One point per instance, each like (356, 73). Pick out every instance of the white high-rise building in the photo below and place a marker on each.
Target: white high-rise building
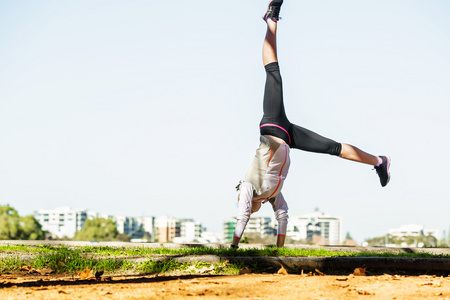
(190, 231)
(262, 225)
(63, 221)
(316, 227)
(148, 225)
(128, 225)
(136, 228)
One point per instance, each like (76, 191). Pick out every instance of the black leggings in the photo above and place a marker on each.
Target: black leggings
(276, 123)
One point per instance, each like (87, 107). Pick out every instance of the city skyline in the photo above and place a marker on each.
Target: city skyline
(140, 108)
(65, 222)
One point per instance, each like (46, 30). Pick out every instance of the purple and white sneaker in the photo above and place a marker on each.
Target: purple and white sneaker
(383, 170)
(273, 11)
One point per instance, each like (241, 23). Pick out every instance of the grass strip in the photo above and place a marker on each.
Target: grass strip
(147, 251)
(60, 265)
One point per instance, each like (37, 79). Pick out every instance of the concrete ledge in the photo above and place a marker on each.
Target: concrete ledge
(350, 263)
(441, 265)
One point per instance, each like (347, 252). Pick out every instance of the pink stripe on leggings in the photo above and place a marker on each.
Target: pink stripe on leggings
(275, 125)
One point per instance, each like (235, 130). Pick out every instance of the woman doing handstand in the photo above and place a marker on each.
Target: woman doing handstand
(264, 179)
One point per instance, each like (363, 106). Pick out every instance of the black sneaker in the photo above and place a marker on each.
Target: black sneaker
(273, 11)
(383, 170)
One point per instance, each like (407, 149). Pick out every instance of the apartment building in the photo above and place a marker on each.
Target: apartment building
(167, 228)
(264, 226)
(136, 227)
(228, 229)
(316, 228)
(63, 221)
(190, 231)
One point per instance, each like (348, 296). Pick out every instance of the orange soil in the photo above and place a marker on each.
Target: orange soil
(250, 286)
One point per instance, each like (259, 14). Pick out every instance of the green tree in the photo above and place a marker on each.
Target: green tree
(97, 229)
(14, 227)
(30, 229)
(9, 223)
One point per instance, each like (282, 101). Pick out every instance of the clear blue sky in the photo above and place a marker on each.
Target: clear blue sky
(152, 107)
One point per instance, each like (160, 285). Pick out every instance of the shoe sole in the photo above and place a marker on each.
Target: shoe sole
(387, 168)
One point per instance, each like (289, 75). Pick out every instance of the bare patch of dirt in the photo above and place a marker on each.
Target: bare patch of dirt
(250, 286)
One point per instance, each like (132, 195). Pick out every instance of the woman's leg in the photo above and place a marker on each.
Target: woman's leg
(353, 153)
(274, 122)
(270, 43)
(307, 140)
(381, 163)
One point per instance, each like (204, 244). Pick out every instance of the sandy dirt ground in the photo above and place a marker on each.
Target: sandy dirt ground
(247, 286)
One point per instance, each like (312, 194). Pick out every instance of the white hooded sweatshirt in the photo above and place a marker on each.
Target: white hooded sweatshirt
(263, 183)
